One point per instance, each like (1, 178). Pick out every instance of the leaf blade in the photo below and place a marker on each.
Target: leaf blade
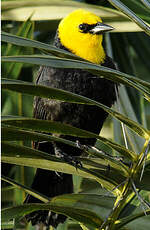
(59, 94)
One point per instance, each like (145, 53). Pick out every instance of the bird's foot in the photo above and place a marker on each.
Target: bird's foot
(82, 147)
(68, 159)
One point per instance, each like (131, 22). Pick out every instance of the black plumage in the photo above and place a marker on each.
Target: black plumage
(90, 118)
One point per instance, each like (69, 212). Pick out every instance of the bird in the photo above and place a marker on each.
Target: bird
(81, 33)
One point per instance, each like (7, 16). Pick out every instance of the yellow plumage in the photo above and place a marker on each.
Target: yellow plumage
(87, 46)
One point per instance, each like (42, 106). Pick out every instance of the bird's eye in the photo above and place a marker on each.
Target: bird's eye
(98, 23)
(83, 27)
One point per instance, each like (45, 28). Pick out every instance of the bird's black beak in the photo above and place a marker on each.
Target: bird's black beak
(100, 28)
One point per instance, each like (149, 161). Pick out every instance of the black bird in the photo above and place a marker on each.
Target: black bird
(80, 33)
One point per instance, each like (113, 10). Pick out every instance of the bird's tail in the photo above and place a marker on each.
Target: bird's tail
(50, 184)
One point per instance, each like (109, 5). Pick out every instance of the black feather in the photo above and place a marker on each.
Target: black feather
(90, 118)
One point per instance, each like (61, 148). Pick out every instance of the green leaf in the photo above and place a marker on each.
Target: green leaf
(119, 77)
(25, 188)
(100, 71)
(13, 69)
(92, 168)
(81, 207)
(63, 95)
(138, 8)
(59, 128)
(144, 83)
(146, 3)
(130, 218)
(20, 41)
(13, 134)
(126, 108)
(43, 91)
(26, 156)
(7, 225)
(124, 9)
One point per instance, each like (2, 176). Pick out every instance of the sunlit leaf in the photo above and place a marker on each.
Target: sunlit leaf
(91, 168)
(57, 127)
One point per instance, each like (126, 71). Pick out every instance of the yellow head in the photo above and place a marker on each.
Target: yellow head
(81, 33)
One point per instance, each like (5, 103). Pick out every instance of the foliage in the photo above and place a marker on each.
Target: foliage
(119, 163)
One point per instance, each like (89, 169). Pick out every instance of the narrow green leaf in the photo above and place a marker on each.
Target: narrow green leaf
(62, 53)
(13, 69)
(26, 156)
(57, 127)
(77, 214)
(18, 151)
(122, 222)
(22, 155)
(43, 91)
(144, 83)
(25, 188)
(26, 42)
(100, 71)
(63, 95)
(7, 225)
(126, 108)
(146, 3)
(84, 208)
(13, 134)
(124, 9)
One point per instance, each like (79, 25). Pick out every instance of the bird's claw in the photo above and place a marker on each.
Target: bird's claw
(69, 159)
